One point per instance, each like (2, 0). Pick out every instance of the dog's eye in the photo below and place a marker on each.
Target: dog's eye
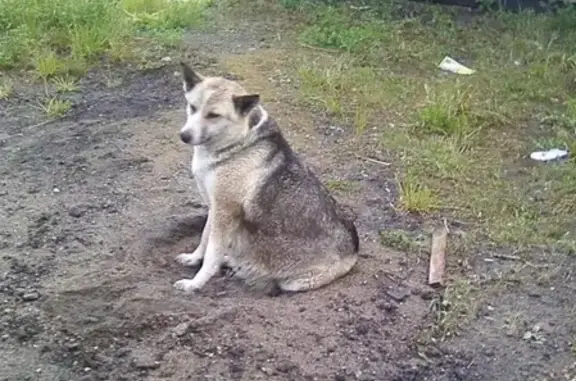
(192, 109)
(212, 115)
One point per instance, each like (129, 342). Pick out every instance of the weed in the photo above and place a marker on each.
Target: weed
(416, 197)
(47, 65)
(341, 186)
(6, 89)
(65, 84)
(397, 239)
(55, 108)
(455, 307)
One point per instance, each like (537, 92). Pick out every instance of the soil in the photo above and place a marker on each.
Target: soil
(95, 206)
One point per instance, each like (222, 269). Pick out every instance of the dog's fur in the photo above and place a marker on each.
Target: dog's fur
(270, 219)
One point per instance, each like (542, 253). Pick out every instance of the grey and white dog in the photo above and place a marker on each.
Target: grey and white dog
(269, 217)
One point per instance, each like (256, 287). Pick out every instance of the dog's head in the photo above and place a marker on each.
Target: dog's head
(217, 109)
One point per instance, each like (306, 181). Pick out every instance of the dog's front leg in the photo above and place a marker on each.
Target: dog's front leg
(213, 259)
(193, 259)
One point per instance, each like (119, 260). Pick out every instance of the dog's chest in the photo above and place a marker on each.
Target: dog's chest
(202, 171)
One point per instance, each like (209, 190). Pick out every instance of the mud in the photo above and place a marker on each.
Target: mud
(94, 208)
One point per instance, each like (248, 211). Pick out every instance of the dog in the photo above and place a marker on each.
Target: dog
(270, 219)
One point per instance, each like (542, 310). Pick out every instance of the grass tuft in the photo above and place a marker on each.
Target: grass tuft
(417, 197)
(342, 186)
(456, 306)
(398, 240)
(6, 89)
(55, 108)
(65, 84)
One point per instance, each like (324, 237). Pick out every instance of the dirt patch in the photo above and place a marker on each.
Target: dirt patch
(95, 207)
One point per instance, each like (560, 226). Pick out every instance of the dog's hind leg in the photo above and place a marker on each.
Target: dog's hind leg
(318, 275)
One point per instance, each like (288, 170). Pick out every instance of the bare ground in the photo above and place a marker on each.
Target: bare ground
(94, 208)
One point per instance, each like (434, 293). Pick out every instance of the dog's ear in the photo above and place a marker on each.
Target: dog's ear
(191, 78)
(245, 103)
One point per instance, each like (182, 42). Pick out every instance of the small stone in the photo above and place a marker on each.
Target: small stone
(181, 329)
(77, 212)
(427, 295)
(145, 362)
(123, 352)
(399, 295)
(30, 296)
(86, 378)
(388, 307)
(56, 190)
(285, 366)
(166, 59)
(267, 371)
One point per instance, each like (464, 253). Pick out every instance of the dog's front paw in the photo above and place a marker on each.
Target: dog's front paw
(190, 259)
(187, 285)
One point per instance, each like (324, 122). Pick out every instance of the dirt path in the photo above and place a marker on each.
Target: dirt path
(94, 208)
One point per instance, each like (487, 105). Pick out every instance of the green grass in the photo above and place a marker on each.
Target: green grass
(56, 37)
(6, 89)
(343, 186)
(55, 108)
(462, 141)
(398, 240)
(65, 84)
(456, 306)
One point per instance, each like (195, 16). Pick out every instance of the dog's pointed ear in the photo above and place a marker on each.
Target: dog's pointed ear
(191, 78)
(245, 103)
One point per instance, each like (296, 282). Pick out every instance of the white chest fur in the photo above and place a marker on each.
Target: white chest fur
(203, 174)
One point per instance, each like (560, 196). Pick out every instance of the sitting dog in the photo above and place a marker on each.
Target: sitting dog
(269, 217)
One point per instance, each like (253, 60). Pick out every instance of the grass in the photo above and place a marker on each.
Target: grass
(342, 186)
(67, 36)
(6, 89)
(55, 108)
(456, 306)
(416, 197)
(65, 84)
(462, 141)
(398, 240)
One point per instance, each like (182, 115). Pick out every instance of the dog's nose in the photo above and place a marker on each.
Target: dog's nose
(186, 137)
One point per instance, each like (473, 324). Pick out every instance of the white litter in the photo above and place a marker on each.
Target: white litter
(453, 66)
(553, 154)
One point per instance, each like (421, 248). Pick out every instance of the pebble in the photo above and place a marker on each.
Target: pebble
(285, 366)
(145, 361)
(76, 212)
(181, 329)
(30, 296)
(399, 294)
(123, 352)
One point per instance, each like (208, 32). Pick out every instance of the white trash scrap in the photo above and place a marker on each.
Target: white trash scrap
(553, 154)
(453, 66)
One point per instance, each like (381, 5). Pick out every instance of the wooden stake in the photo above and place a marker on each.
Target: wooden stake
(437, 256)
